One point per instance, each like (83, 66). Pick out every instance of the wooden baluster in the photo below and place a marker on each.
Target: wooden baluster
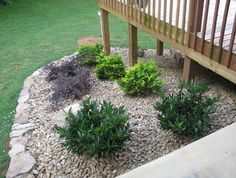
(154, 15)
(177, 20)
(204, 25)
(183, 21)
(190, 20)
(149, 13)
(196, 21)
(231, 44)
(140, 13)
(159, 15)
(170, 18)
(128, 8)
(135, 11)
(165, 9)
(124, 8)
(214, 27)
(222, 32)
(132, 8)
(144, 11)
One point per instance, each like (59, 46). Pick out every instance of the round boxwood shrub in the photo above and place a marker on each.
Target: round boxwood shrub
(142, 79)
(186, 112)
(110, 67)
(87, 55)
(96, 130)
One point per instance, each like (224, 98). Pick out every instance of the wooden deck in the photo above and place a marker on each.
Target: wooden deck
(202, 29)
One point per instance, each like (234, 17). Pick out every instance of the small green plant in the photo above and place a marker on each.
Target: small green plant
(110, 68)
(87, 55)
(142, 79)
(96, 130)
(141, 52)
(188, 111)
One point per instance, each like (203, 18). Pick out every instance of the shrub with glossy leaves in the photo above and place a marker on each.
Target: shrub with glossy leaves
(142, 79)
(96, 130)
(87, 55)
(186, 112)
(110, 68)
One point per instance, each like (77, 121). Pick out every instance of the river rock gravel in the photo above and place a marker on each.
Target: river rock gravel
(148, 142)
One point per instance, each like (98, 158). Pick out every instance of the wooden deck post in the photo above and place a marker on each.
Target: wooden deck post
(189, 70)
(105, 32)
(159, 51)
(133, 47)
(195, 22)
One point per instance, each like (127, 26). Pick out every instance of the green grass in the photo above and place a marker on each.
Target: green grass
(35, 32)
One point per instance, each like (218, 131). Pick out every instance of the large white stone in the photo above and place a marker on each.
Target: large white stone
(21, 132)
(16, 149)
(23, 98)
(18, 140)
(22, 107)
(20, 164)
(22, 126)
(59, 118)
(22, 117)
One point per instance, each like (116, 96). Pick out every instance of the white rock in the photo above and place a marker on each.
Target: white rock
(18, 140)
(20, 164)
(74, 108)
(22, 132)
(59, 118)
(16, 149)
(22, 107)
(22, 117)
(23, 98)
(22, 126)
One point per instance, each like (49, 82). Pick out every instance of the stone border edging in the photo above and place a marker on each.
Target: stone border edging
(22, 162)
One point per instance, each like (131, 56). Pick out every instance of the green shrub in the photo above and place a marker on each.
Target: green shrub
(188, 111)
(142, 79)
(87, 55)
(110, 68)
(96, 130)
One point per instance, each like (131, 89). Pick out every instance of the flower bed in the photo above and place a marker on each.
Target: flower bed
(148, 140)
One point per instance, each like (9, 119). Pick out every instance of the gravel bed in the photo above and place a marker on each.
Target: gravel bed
(149, 141)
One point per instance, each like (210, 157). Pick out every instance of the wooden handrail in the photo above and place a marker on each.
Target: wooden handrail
(198, 25)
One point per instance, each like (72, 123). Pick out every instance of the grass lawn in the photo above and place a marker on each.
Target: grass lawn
(33, 33)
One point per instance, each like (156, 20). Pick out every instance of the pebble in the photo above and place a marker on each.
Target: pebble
(148, 141)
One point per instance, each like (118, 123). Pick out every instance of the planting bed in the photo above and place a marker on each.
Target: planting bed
(148, 141)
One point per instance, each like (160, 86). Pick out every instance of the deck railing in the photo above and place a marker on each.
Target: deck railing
(205, 30)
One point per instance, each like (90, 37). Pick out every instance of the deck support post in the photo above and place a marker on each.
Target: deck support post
(159, 51)
(189, 70)
(105, 32)
(133, 46)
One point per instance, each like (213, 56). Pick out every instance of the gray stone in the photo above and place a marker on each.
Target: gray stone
(22, 132)
(23, 98)
(74, 108)
(20, 164)
(22, 107)
(26, 176)
(16, 149)
(18, 140)
(22, 126)
(59, 118)
(22, 117)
